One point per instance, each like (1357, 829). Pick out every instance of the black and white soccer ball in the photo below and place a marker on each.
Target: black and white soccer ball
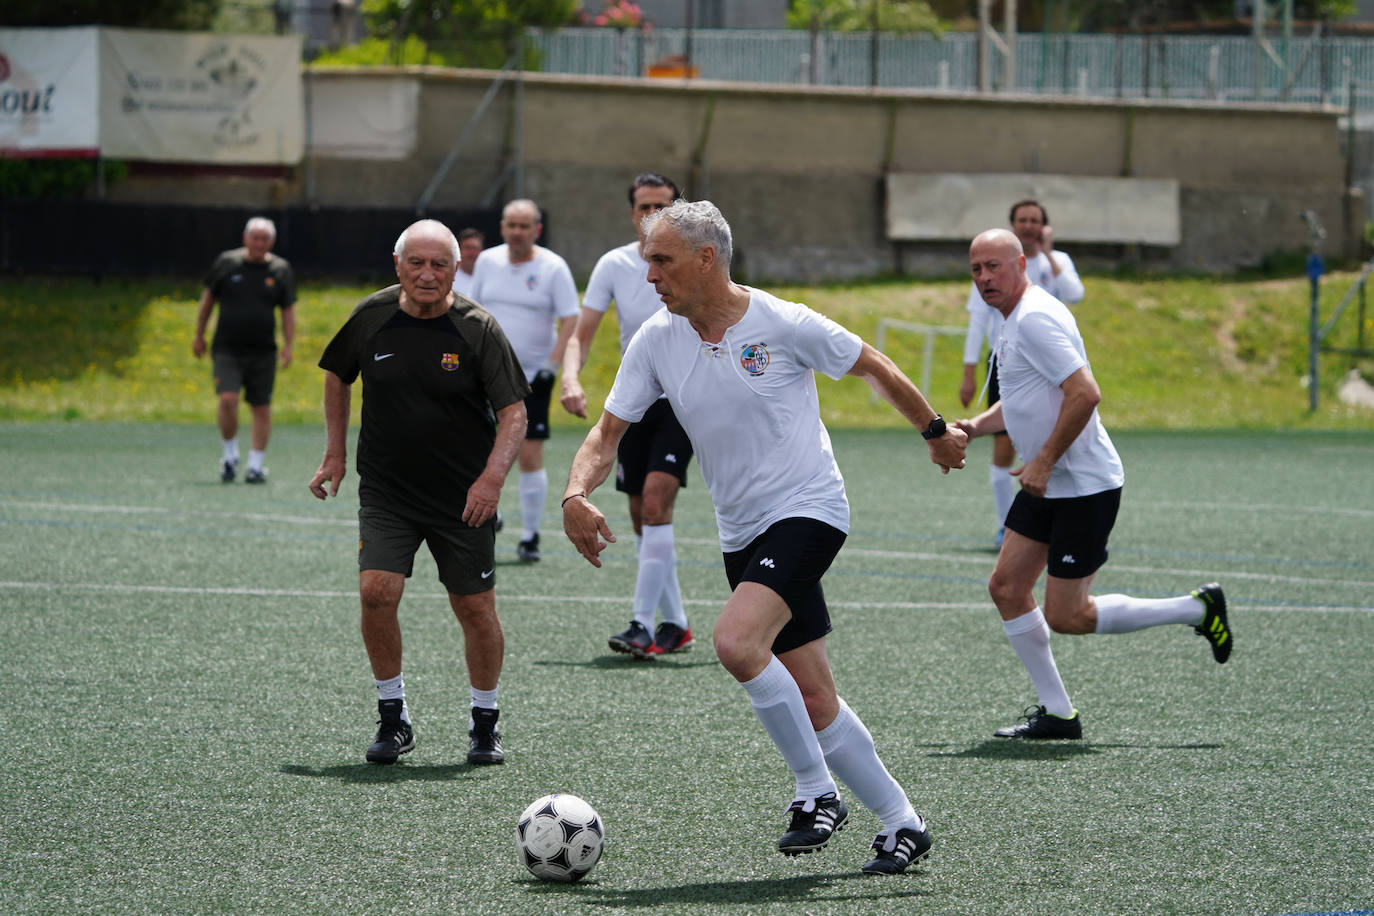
(559, 838)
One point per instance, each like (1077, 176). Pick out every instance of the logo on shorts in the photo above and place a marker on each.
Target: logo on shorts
(754, 358)
(1068, 559)
(670, 458)
(767, 561)
(449, 362)
(487, 574)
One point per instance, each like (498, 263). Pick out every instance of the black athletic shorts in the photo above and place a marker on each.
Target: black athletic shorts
(466, 556)
(790, 558)
(656, 443)
(254, 371)
(537, 405)
(1076, 528)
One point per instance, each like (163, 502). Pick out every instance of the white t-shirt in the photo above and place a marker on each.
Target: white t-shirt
(1039, 347)
(526, 299)
(622, 274)
(985, 322)
(749, 405)
(462, 282)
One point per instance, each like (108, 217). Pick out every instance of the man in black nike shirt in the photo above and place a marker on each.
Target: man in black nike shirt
(431, 462)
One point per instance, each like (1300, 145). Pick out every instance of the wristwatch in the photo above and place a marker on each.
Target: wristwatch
(936, 429)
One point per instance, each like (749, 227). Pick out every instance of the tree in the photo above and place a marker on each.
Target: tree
(466, 33)
(858, 15)
(181, 15)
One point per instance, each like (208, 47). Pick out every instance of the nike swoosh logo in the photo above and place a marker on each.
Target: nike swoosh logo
(487, 574)
(378, 357)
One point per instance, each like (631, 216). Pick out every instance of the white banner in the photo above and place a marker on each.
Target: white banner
(198, 97)
(48, 92)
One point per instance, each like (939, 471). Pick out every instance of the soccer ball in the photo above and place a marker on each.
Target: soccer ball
(559, 838)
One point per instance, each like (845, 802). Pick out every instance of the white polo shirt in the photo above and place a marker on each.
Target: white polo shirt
(1039, 347)
(749, 405)
(526, 299)
(622, 274)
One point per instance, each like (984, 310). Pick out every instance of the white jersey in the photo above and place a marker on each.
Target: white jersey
(622, 274)
(1039, 348)
(462, 282)
(985, 322)
(526, 299)
(749, 405)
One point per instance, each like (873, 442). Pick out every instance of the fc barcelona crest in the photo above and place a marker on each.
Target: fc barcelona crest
(449, 362)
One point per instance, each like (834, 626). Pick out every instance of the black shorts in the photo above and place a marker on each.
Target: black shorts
(254, 371)
(790, 558)
(1076, 528)
(537, 406)
(466, 556)
(656, 443)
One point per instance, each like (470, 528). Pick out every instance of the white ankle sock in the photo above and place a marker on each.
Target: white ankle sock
(1124, 614)
(849, 753)
(779, 705)
(394, 689)
(255, 459)
(1029, 635)
(231, 449)
(485, 699)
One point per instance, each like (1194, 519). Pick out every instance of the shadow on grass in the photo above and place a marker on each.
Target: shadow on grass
(1003, 749)
(369, 774)
(801, 889)
(619, 662)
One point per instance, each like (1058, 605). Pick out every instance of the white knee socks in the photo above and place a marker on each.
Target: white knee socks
(778, 703)
(656, 558)
(1124, 614)
(1003, 490)
(849, 752)
(1029, 635)
(534, 486)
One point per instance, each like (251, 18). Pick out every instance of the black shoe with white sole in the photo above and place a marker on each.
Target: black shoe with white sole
(893, 852)
(395, 736)
(814, 822)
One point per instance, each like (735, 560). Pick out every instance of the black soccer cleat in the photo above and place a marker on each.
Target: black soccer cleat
(394, 735)
(484, 740)
(669, 638)
(892, 853)
(814, 822)
(1039, 725)
(1214, 626)
(636, 641)
(528, 551)
(227, 469)
(255, 475)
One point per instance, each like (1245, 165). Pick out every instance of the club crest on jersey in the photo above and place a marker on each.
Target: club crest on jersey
(754, 358)
(269, 282)
(531, 282)
(449, 362)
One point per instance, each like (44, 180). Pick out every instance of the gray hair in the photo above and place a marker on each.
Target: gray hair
(699, 223)
(432, 225)
(522, 203)
(260, 222)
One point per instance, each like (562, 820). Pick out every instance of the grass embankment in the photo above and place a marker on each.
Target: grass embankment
(1170, 353)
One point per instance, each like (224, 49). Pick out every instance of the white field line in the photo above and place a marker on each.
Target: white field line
(553, 599)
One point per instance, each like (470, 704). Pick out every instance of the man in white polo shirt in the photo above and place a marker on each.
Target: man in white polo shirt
(1052, 271)
(1070, 492)
(738, 366)
(653, 456)
(529, 290)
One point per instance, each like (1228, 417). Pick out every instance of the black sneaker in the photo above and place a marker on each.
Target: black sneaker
(227, 469)
(255, 475)
(484, 741)
(394, 736)
(669, 637)
(636, 641)
(528, 551)
(1214, 626)
(1039, 725)
(892, 853)
(814, 821)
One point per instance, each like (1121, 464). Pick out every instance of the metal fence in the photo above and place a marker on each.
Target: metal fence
(1317, 70)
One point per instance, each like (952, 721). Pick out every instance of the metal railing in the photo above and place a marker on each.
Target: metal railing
(1313, 69)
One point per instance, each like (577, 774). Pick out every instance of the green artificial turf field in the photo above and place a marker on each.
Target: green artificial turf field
(188, 698)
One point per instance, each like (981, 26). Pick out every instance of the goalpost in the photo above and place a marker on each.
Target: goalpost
(928, 331)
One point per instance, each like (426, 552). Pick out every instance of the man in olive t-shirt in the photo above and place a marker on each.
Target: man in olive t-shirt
(432, 459)
(250, 284)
